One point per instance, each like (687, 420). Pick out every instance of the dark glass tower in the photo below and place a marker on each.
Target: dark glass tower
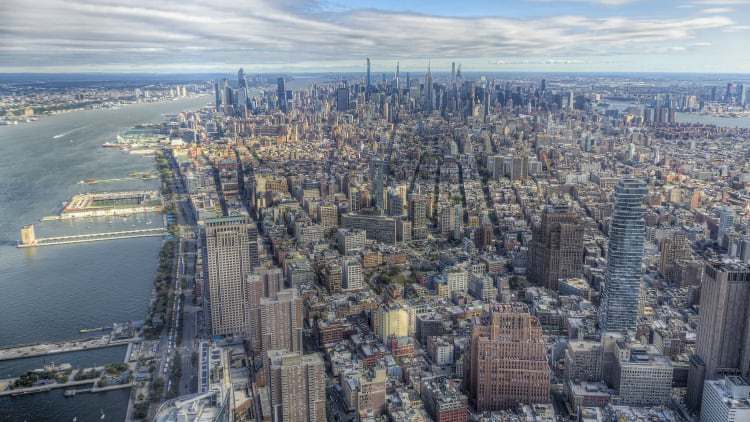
(622, 279)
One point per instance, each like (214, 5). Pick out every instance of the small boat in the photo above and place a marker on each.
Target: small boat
(102, 413)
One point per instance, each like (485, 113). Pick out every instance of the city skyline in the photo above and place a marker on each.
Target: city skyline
(317, 36)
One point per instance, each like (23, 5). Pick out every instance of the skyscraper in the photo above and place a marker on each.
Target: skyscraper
(722, 345)
(342, 99)
(228, 261)
(622, 278)
(556, 247)
(507, 361)
(297, 387)
(280, 326)
(369, 87)
(429, 100)
(281, 94)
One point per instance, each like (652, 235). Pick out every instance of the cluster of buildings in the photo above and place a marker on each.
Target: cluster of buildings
(447, 248)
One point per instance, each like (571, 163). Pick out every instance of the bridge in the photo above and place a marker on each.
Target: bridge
(31, 241)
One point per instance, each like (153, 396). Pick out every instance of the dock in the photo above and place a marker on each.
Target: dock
(93, 237)
(50, 348)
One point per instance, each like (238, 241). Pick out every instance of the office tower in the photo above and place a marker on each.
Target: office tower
(281, 95)
(619, 311)
(342, 99)
(673, 250)
(217, 95)
(723, 333)
(728, 96)
(395, 204)
(556, 247)
(726, 225)
(507, 361)
(369, 87)
(228, 262)
(726, 400)
(241, 80)
(297, 387)
(741, 94)
(429, 94)
(453, 73)
(643, 376)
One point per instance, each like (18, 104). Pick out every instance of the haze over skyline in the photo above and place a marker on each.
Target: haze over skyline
(317, 35)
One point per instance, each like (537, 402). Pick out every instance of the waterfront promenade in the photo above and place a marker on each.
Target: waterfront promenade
(50, 348)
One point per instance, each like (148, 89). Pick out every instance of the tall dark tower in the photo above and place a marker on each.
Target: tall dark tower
(281, 93)
(367, 92)
(556, 248)
(622, 278)
(722, 343)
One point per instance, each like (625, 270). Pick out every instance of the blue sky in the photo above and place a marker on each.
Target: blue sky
(320, 35)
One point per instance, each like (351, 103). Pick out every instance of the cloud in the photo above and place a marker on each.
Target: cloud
(602, 2)
(717, 10)
(269, 34)
(722, 2)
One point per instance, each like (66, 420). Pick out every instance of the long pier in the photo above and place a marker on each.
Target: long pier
(50, 348)
(93, 237)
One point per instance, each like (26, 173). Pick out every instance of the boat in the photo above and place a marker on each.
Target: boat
(69, 393)
(111, 145)
(102, 413)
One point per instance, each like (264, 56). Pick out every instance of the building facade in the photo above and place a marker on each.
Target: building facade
(619, 311)
(507, 361)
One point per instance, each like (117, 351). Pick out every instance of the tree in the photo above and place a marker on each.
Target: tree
(518, 283)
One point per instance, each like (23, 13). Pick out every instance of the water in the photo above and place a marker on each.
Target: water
(742, 122)
(49, 293)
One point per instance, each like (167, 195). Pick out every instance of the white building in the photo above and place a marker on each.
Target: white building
(726, 400)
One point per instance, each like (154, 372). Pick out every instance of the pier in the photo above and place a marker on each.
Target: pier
(50, 348)
(28, 240)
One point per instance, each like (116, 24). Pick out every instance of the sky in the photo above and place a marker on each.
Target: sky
(294, 36)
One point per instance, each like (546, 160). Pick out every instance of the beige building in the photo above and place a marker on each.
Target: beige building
(365, 391)
(229, 260)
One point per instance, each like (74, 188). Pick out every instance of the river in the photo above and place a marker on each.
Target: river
(50, 293)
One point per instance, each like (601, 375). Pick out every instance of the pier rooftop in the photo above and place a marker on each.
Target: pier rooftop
(112, 200)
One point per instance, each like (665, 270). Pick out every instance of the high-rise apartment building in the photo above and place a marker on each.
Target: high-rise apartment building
(619, 311)
(556, 248)
(228, 256)
(297, 387)
(723, 333)
(280, 326)
(418, 215)
(507, 361)
(726, 400)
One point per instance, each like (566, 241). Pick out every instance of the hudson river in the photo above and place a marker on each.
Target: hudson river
(51, 292)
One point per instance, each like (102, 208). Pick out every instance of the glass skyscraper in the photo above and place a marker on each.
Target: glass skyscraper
(622, 279)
